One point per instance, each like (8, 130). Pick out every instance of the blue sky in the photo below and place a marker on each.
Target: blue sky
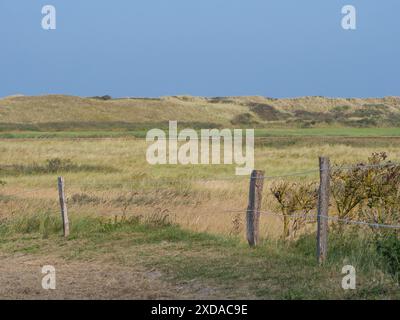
(276, 48)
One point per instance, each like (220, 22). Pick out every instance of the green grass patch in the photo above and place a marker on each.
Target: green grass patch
(273, 270)
(259, 133)
(336, 132)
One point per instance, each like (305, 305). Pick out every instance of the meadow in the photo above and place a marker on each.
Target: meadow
(178, 230)
(109, 179)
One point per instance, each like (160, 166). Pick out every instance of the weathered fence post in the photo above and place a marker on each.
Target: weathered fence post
(323, 209)
(63, 205)
(253, 209)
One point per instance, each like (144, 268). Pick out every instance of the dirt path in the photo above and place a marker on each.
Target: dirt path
(21, 278)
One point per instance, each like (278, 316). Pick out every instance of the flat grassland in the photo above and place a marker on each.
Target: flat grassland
(173, 231)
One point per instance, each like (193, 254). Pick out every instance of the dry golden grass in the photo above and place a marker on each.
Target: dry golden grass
(200, 198)
(58, 108)
(69, 109)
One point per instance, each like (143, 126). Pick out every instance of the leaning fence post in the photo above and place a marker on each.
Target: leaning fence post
(63, 205)
(253, 209)
(323, 209)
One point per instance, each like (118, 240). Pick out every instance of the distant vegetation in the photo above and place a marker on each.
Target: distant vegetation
(54, 165)
(57, 113)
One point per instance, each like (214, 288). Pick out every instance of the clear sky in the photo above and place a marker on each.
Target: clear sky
(275, 48)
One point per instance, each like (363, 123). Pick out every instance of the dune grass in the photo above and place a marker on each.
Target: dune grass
(61, 113)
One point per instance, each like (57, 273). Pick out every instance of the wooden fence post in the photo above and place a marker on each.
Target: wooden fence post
(323, 209)
(63, 205)
(253, 209)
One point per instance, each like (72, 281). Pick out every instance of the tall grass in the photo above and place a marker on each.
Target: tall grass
(51, 166)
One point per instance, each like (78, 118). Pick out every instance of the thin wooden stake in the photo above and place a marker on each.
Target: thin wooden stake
(63, 205)
(323, 209)
(254, 207)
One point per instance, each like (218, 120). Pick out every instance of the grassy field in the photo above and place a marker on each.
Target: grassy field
(179, 229)
(259, 133)
(172, 263)
(110, 178)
